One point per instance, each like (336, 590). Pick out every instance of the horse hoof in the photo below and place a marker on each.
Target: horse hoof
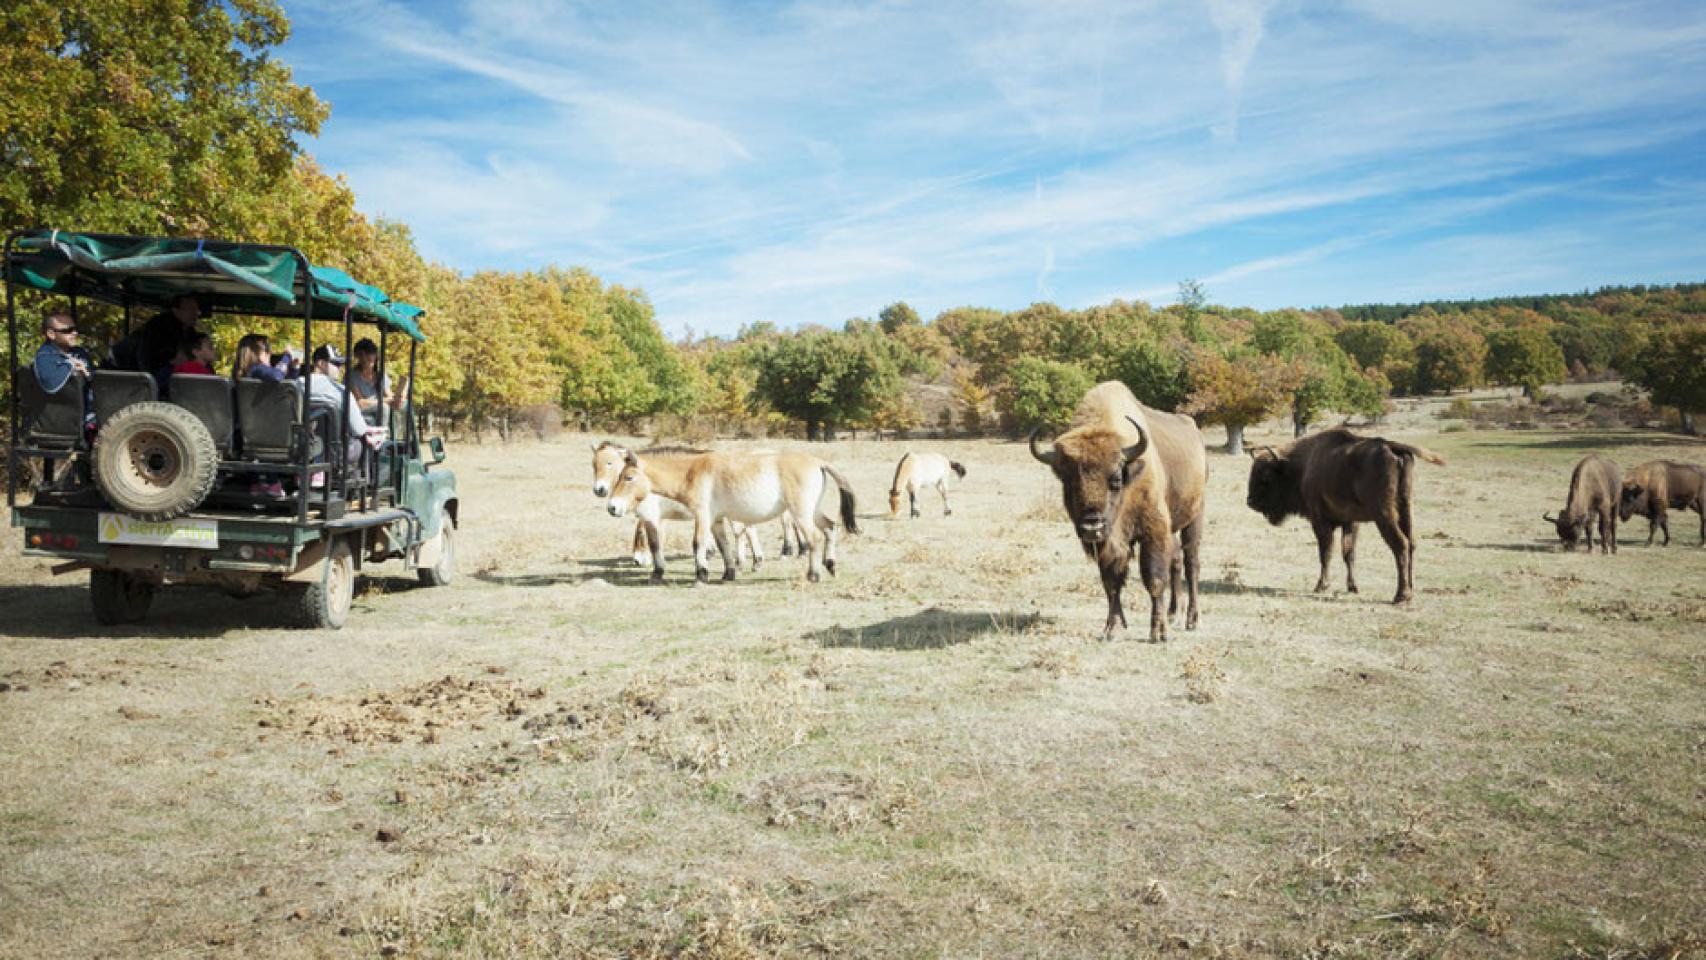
(702, 575)
(830, 566)
(811, 576)
(728, 575)
(1350, 588)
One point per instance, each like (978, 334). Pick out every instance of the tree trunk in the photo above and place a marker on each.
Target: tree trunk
(811, 430)
(829, 430)
(1235, 439)
(1688, 425)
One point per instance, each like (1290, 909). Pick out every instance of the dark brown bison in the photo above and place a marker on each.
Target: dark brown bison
(1337, 480)
(1133, 477)
(1660, 485)
(1594, 490)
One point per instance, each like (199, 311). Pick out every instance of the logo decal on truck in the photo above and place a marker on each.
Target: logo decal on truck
(196, 534)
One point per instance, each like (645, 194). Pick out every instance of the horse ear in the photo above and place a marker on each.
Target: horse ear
(1051, 456)
(629, 458)
(1136, 450)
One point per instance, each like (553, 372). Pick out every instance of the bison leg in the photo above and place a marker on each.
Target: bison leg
(1175, 572)
(1700, 508)
(1190, 542)
(1348, 545)
(1663, 520)
(1401, 552)
(1113, 581)
(1608, 531)
(1154, 561)
(1324, 545)
(912, 503)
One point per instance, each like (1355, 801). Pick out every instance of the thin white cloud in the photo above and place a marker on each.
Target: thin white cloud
(818, 161)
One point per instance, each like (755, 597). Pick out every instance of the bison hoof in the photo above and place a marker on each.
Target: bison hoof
(812, 576)
(830, 566)
(1191, 622)
(1350, 588)
(1321, 586)
(1402, 599)
(657, 576)
(728, 575)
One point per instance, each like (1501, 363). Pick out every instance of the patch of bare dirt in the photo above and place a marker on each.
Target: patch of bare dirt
(418, 713)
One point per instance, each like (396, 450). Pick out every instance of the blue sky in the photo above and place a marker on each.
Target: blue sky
(810, 162)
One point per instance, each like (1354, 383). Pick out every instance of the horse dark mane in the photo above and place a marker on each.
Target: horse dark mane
(671, 448)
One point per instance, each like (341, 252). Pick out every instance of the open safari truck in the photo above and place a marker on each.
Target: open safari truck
(244, 484)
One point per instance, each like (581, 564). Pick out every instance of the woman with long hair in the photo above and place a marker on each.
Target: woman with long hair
(254, 359)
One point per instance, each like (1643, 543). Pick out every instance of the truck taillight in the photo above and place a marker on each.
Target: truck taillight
(35, 539)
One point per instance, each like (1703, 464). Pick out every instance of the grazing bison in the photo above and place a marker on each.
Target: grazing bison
(1594, 491)
(1337, 480)
(1132, 476)
(1658, 485)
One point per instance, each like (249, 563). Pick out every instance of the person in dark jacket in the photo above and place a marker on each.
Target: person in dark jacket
(60, 356)
(164, 333)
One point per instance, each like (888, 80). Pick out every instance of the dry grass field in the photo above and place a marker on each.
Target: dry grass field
(932, 755)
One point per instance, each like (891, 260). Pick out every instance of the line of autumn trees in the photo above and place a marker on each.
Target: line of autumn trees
(172, 117)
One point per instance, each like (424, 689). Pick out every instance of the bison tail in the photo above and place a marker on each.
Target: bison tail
(1416, 451)
(849, 519)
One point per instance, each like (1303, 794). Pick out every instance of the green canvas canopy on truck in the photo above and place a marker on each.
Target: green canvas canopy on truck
(243, 278)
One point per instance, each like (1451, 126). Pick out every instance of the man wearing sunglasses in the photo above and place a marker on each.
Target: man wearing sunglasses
(60, 356)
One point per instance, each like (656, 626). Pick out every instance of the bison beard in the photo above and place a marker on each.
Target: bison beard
(1336, 479)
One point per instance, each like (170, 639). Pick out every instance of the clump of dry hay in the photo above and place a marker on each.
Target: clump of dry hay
(698, 723)
(840, 801)
(418, 713)
(1203, 676)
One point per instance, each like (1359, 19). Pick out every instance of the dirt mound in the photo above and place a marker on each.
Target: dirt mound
(416, 713)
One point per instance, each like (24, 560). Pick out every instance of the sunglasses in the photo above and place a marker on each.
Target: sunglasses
(62, 329)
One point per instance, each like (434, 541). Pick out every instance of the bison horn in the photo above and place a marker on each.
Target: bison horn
(1136, 450)
(1050, 456)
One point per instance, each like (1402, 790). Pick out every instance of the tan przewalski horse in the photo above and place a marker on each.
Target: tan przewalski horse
(607, 460)
(914, 472)
(745, 487)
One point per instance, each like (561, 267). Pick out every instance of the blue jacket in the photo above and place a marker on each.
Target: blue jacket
(53, 366)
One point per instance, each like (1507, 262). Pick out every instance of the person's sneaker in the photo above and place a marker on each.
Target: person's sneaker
(275, 489)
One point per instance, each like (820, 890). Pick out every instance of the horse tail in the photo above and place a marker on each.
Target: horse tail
(848, 518)
(899, 472)
(959, 468)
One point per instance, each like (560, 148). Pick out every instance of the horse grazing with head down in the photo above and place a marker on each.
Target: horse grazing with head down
(914, 472)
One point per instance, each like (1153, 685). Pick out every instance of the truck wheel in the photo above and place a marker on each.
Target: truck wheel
(324, 601)
(119, 597)
(442, 572)
(155, 461)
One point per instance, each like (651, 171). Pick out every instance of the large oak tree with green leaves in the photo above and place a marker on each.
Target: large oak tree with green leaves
(146, 116)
